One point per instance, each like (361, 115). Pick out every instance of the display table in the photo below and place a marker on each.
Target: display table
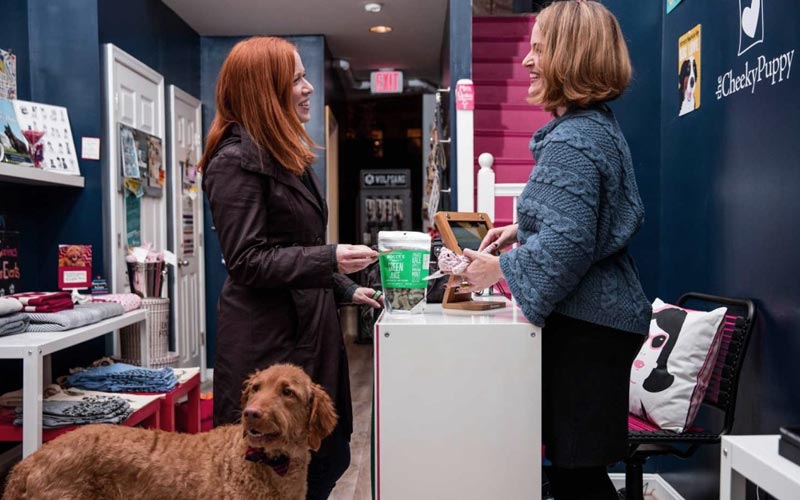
(34, 350)
(756, 458)
(189, 386)
(457, 405)
(146, 411)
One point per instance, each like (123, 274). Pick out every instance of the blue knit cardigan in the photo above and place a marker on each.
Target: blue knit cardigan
(577, 215)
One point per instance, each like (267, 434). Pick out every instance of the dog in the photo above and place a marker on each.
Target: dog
(73, 257)
(687, 79)
(17, 144)
(266, 457)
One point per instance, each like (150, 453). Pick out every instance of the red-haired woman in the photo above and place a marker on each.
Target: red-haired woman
(279, 302)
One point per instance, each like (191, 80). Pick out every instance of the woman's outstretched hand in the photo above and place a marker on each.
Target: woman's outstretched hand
(500, 236)
(353, 258)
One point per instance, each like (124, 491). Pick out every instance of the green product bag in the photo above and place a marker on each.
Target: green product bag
(404, 263)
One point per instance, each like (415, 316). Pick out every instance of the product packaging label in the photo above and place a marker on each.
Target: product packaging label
(405, 269)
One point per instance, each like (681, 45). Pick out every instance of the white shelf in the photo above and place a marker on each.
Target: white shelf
(44, 343)
(29, 175)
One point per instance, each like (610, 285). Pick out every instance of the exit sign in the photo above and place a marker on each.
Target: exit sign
(386, 82)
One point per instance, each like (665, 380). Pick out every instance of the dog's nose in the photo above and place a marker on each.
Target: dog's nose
(252, 413)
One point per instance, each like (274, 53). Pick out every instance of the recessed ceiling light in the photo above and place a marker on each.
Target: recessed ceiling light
(373, 7)
(381, 29)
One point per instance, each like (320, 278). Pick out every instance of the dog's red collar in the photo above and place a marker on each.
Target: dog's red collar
(279, 464)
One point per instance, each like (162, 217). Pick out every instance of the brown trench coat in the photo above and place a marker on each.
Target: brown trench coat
(278, 303)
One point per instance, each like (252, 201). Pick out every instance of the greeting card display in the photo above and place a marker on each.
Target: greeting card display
(49, 125)
(8, 75)
(74, 266)
(141, 157)
(13, 147)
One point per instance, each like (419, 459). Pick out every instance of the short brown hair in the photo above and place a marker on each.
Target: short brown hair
(254, 89)
(584, 57)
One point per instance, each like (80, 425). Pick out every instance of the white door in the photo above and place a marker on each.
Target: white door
(186, 238)
(133, 96)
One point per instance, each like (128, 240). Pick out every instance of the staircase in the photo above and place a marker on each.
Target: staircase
(504, 121)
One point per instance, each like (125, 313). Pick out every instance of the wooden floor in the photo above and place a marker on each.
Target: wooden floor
(355, 483)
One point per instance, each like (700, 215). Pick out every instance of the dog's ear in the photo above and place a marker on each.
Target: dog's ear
(247, 388)
(322, 417)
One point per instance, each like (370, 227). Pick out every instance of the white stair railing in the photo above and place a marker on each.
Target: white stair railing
(488, 189)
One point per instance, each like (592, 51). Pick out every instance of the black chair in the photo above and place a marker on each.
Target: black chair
(719, 400)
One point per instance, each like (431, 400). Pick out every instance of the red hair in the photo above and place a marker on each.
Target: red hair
(254, 89)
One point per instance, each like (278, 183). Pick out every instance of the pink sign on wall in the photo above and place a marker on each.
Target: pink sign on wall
(465, 95)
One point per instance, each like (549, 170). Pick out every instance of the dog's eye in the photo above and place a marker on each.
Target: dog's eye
(256, 387)
(287, 392)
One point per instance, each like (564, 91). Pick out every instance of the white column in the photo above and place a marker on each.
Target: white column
(465, 149)
(32, 382)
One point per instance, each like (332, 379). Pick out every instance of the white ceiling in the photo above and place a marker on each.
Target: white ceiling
(414, 45)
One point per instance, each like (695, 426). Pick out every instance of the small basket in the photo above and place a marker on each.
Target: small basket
(147, 278)
(158, 334)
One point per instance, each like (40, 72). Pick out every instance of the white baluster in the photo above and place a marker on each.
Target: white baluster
(486, 184)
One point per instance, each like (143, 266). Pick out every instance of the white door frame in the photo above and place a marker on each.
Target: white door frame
(113, 211)
(176, 94)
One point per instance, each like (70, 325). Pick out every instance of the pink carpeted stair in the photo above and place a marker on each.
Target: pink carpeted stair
(504, 121)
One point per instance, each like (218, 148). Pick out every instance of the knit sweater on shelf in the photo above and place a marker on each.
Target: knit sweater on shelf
(577, 214)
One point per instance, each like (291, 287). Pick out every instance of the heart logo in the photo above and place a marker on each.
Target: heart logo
(750, 16)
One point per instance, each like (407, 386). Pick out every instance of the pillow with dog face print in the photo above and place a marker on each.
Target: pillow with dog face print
(670, 375)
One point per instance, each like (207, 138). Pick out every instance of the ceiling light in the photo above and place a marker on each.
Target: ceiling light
(381, 29)
(373, 7)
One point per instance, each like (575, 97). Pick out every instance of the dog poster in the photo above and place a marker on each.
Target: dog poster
(689, 71)
(74, 266)
(52, 122)
(13, 146)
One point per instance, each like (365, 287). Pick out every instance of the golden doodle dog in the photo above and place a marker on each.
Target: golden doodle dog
(73, 256)
(266, 457)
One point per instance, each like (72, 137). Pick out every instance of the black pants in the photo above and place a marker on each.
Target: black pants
(326, 468)
(588, 483)
(585, 380)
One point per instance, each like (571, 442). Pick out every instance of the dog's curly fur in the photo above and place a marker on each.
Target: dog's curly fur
(285, 414)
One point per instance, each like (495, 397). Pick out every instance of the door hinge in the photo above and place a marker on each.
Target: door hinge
(119, 240)
(203, 339)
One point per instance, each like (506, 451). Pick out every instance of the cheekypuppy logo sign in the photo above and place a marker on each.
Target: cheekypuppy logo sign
(751, 24)
(759, 70)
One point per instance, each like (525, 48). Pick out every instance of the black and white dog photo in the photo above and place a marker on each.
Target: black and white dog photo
(687, 79)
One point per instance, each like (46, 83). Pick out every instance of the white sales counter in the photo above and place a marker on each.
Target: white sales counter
(457, 405)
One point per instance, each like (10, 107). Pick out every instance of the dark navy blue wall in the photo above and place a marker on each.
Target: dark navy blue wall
(14, 36)
(638, 113)
(58, 49)
(213, 52)
(154, 34)
(459, 48)
(729, 203)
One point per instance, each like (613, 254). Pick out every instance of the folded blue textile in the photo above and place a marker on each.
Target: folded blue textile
(121, 377)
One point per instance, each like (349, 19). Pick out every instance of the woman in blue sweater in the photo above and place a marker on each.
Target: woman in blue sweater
(571, 273)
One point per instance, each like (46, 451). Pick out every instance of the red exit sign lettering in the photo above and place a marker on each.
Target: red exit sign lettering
(386, 82)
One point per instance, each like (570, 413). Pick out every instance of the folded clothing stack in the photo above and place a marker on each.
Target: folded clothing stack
(130, 301)
(88, 410)
(14, 398)
(44, 302)
(121, 377)
(12, 321)
(81, 315)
